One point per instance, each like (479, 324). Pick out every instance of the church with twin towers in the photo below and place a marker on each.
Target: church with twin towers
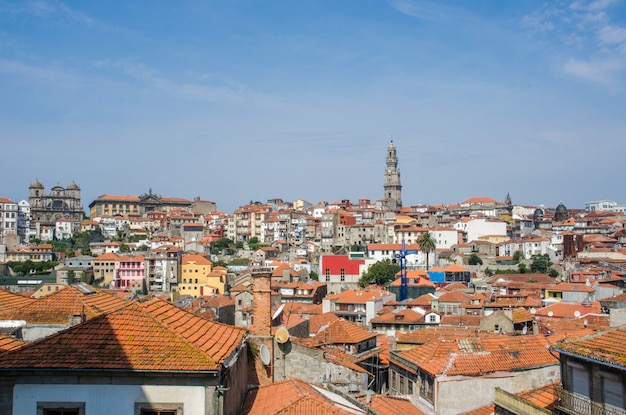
(392, 186)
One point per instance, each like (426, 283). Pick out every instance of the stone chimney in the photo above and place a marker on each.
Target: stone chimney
(262, 304)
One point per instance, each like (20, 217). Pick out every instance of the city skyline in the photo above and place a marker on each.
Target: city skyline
(299, 100)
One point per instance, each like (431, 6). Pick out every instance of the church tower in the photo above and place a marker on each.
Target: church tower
(393, 188)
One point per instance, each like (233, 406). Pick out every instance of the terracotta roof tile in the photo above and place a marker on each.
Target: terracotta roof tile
(295, 397)
(317, 322)
(607, 346)
(12, 301)
(148, 336)
(343, 332)
(9, 343)
(391, 405)
(481, 355)
(58, 307)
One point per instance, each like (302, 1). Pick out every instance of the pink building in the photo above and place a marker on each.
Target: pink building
(128, 272)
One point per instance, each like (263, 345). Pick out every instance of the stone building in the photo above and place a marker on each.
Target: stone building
(60, 202)
(135, 205)
(392, 186)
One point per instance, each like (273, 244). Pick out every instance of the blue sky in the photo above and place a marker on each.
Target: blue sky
(249, 100)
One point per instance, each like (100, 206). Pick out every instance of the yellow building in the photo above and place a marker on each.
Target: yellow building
(197, 277)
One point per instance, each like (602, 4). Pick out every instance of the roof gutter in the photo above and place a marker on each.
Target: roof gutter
(589, 359)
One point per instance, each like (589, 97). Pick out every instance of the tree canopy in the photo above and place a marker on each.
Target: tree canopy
(474, 260)
(541, 264)
(379, 273)
(428, 244)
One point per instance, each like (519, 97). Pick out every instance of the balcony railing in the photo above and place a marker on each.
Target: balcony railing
(575, 404)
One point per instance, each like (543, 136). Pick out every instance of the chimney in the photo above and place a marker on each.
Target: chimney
(261, 297)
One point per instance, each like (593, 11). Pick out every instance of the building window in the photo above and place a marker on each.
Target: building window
(612, 392)
(342, 275)
(60, 408)
(327, 273)
(158, 409)
(579, 381)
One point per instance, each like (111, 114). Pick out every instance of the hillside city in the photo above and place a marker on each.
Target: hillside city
(162, 305)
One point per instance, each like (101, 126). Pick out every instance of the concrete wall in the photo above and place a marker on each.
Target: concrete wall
(296, 361)
(112, 399)
(456, 395)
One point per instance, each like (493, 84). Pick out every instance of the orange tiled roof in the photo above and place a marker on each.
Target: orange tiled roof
(427, 334)
(456, 296)
(343, 332)
(9, 343)
(360, 296)
(406, 316)
(483, 410)
(198, 259)
(59, 306)
(473, 357)
(568, 310)
(392, 405)
(607, 346)
(294, 397)
(12, 301)
(318, 321)
(148, 336)
(544, 396)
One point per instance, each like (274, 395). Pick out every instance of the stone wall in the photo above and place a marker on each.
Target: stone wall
(296, 361)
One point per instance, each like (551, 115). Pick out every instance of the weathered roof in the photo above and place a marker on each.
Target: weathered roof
(142, 336)
(478, 356)
(343, 332)
(59, 306)
(296, 397)
(607, 346)
(392, 405)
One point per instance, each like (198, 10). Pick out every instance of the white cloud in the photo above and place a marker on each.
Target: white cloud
(429, 10)
(49, 10)
(232, 92)
(42, 73)
(601, 71)
(612, 35)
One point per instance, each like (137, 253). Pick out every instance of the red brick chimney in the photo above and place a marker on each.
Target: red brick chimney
(261, 302)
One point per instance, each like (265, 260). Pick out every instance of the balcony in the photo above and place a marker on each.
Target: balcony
(575, 404)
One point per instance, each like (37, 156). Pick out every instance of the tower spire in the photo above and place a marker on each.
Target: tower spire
(392, 186)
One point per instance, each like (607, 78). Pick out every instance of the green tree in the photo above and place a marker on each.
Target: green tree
(428, 244)
(474, 260)
(489, 272)
(540, 264)
(69, 253)
(253, 240)
(553, 273)
(313, 275)
(71, 275)
(124, 248)
(518, 256)
(222, 243)
(522, 268)
(379, 273)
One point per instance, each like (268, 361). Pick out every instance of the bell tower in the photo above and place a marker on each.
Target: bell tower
(392, 186)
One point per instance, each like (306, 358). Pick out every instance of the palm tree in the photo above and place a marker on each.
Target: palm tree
(427, 244)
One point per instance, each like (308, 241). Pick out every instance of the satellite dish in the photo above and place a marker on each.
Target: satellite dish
(280, 310)
(282, 335)
(533, 311)
(576, 313)
(264, 352)
(525, 330)
(550, 313)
